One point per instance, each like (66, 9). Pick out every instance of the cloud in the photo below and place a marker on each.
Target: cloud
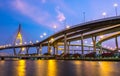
(64, 7)
(60, 15)
(34, 13)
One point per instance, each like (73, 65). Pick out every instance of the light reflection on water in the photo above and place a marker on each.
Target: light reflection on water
(58, 68)
(21, 69)
(52, 70)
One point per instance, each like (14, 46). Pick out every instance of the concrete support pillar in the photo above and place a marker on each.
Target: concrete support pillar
(14, 51)
(101, 49)
(73, 49)
(94, 42)
(56, 51)
(82, 45)
(20, 50)
(65, 43)
(49, 47)
(68, 47)
(88, 49)
(40, 50)
(27, 49)
(116, 42)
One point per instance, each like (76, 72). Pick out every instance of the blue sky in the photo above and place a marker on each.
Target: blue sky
(39, 16)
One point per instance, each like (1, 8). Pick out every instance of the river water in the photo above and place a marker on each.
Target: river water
(58, 68)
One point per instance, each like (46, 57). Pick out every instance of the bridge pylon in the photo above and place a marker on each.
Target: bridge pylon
(18, 40)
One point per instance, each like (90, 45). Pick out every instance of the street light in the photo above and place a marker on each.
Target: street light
(115, 5)
(91, 43)
(102, 36)
(104, 14)
(37, 41)
(41, 36)
(54, 28)
(67, 26)
(25, 42)
(31, 42)
(44, 34)
(20, 43)
(52, 39)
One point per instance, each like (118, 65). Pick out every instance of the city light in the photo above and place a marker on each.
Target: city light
(51, 40)
(25, 42)
(30, 42)
(104, 14)
(44, 34)
(20, 43)
(37, 41)
(54, 28)
(67, 26)
(91, 43)
(51, 50)
(41, 36)
(102, 36)
(115, 5)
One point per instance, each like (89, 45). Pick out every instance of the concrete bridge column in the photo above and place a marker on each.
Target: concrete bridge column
(94, 42)
(56, 49)
(49, 47)
(100, 52)
(65, 43)
(27, 49)
(88, 49)
(116, 42)
(40, 50)
(20, 50)
(14, 51)
(68, 47)
(73, 50)
(82, 45)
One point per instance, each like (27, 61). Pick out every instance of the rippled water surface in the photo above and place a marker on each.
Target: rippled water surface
(58, 68)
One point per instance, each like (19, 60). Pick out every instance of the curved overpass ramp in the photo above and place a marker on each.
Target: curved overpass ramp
(86, 30)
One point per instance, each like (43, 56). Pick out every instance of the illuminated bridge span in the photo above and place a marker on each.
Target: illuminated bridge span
(88, 30)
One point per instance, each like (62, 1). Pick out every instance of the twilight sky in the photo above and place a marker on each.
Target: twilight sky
(39, 16)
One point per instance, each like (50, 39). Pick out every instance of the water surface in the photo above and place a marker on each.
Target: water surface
(58, 68)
